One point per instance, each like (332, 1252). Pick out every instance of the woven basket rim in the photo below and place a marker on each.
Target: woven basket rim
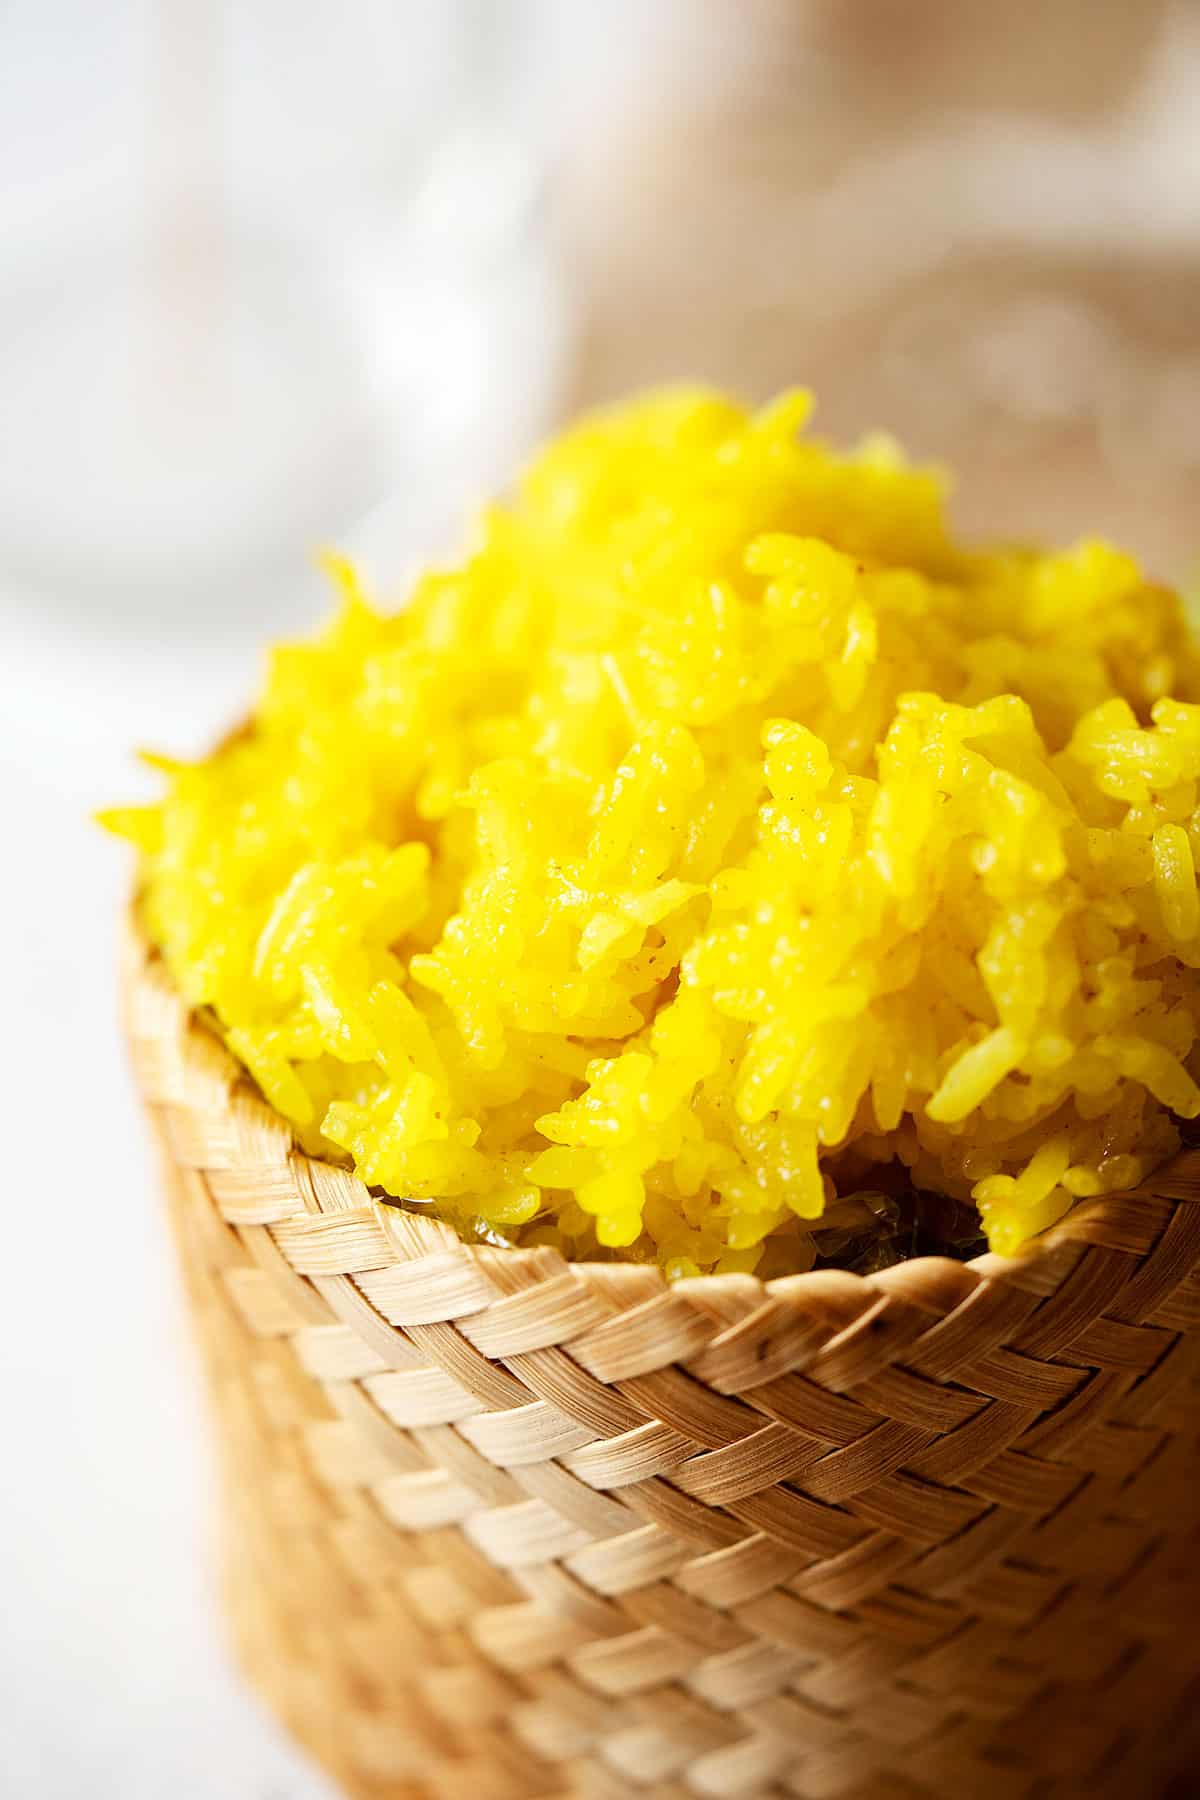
(931, 1277)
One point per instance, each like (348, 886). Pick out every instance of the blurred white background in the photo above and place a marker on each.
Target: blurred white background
(277, 274)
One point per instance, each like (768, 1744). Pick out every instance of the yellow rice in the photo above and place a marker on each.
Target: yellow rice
(716, 831)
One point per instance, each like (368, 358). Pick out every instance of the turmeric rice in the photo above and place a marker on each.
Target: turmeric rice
(716, 833)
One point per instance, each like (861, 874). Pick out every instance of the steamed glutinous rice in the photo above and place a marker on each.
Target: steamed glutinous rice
(715, 843)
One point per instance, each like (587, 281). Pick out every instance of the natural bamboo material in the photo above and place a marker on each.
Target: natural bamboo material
(501, 1526)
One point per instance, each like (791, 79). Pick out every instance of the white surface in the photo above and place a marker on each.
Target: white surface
(113, 1679)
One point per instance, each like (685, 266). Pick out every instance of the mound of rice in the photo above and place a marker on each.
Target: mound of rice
(716, 833)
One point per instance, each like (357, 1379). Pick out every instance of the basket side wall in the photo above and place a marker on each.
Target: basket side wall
(503, 1527)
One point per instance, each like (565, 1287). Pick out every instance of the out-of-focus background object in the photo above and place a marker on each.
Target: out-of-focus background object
(977, 226)
(268, 270)
(273, 274)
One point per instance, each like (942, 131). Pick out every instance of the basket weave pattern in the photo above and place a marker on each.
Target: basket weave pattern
(505, 1527)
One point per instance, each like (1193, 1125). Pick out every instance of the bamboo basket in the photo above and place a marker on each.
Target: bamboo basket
(500, 1526)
